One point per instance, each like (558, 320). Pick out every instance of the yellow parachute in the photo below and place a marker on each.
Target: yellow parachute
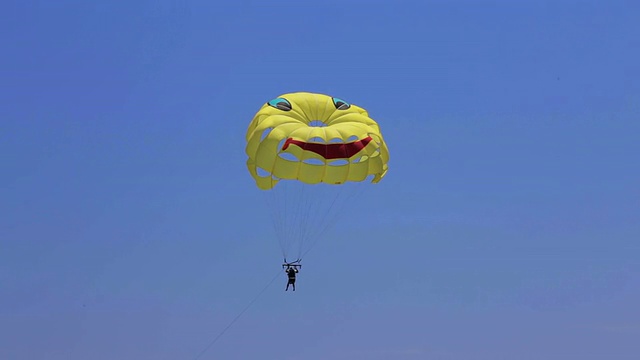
(314, 138)
(306, 144)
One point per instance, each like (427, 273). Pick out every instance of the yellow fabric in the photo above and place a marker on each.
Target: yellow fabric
(268, 161)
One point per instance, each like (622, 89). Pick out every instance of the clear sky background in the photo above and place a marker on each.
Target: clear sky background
(506, 228)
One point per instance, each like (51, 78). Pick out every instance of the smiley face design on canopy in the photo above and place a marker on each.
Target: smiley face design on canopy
(314, 138)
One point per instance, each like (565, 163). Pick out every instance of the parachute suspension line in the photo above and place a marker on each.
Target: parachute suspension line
(277, 219)
(286, 202)
(327, 223)
(237, 317)
(306, 221)
(302, 213)
(290, 209)
(320, 219)
(303, 207)
(280, 201)
(291, 204)
(298, 217)
(291, 213)
(282, 209)
(333, 215)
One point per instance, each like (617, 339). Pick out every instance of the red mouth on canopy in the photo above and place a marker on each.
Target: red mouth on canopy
(330, 151)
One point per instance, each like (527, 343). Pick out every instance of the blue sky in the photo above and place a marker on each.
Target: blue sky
(506, 228)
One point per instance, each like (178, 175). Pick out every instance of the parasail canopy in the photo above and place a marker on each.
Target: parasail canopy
(314, 138)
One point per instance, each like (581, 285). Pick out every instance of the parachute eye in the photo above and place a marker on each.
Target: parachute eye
(281, 104)
(340, 104)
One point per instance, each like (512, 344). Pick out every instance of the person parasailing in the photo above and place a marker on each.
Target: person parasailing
(291, 271)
